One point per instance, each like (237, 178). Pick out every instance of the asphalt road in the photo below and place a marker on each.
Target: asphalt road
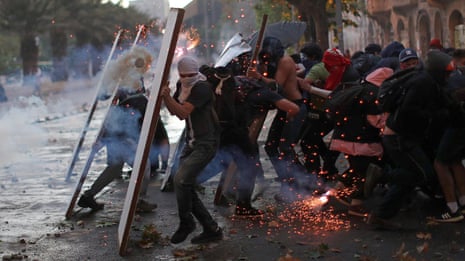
(35, 196)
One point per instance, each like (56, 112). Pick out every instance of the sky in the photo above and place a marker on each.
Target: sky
(173, 3)
(179, 3)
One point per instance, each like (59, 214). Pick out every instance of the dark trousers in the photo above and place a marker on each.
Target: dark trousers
(193, 161)
(355, 175)
(280, 144)
(412, 168)
(313, 146)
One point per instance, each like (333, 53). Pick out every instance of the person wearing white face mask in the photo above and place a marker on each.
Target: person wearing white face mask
(193, 102)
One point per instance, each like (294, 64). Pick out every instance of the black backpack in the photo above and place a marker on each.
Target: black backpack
(340, 101)
(392, 91)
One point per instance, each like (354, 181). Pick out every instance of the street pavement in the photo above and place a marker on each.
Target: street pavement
(35, 197)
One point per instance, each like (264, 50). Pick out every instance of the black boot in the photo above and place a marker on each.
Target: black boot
(208, 236)
(185, 228)
(86, 201)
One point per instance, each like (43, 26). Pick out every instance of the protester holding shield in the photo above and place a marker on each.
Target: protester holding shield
(194, 103)
(122, 125)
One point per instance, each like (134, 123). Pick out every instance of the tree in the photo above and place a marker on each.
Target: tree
(89, 22)
(319, 14)
(27, 18)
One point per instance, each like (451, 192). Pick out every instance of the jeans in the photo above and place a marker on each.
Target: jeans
(193, 160)
(412, 168)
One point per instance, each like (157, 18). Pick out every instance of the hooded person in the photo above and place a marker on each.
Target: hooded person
(188, 69)
(411, 134)
(390, 56)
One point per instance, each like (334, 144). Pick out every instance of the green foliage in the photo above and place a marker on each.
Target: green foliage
(9, 51)
(76, 21)
(277, 10)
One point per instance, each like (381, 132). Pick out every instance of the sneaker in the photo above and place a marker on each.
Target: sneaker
(373, 175)
(181, 234)
(247, 211)
(449, 217)
(208, 236)
(144, 206)
(86, 201)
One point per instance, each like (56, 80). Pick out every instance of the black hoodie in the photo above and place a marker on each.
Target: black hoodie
(424, 109)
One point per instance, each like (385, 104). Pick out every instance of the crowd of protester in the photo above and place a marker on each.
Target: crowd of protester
(413, 142)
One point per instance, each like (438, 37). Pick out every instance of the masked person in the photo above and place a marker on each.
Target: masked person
(194, 103)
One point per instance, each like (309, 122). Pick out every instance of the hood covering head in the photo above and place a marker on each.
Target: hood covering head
(378, 76)
(336, 64)
(188, 65)
(373, 48)
(392, 50)
(270, 54)
(439, 65)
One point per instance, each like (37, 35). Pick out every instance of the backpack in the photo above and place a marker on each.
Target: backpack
(392, 91)
(340, 101)
(363, 63)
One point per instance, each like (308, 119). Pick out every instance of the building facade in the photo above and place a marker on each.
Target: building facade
(416, 22)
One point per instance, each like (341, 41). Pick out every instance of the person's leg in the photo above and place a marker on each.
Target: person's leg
(106, 177)
(458, 171)
(247, 173)
(193, 160)
(87, 199)
(272, 145)
(447, 184)
(414, 168)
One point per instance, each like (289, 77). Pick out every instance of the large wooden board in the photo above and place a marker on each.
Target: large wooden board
(162, 69)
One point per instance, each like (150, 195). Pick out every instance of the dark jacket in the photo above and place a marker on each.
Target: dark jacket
(422, 110)
(352, 125)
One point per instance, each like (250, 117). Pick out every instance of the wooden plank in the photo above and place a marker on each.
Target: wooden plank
(259, 42)
(168, 47)
(82, 136)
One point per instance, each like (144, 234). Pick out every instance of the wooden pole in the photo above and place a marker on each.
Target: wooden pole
(168, 47)
(258, 43)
